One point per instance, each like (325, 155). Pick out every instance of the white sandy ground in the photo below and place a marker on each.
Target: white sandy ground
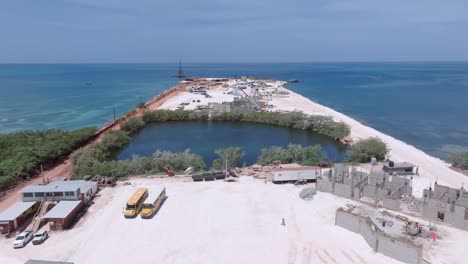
(218, 222)
(431, 169)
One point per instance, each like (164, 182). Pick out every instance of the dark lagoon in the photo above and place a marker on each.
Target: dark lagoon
(204, 137)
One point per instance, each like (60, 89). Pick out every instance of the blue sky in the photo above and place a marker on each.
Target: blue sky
(81, 31)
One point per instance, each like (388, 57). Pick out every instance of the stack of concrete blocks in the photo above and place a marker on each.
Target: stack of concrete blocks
(398, 248)
(448, 205)
(345, 181)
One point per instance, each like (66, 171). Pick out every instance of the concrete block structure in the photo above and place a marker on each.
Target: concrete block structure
(447, 205)
(389, 240)
(348, 182)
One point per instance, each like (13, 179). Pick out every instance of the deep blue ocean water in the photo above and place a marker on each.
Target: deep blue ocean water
(424, 104)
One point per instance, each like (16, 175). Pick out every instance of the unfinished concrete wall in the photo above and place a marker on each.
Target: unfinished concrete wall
(398, 250)
(357, 194)
(462, 201)
(324, 185)
(349, 181)
(376, 178)
(343, 190)
(432, 209)
(348, 221)
(391, 203)
(461, 217)
(371, 192)
(368, 233)
(378, 241)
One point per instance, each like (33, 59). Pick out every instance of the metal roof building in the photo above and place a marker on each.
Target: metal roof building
(15, 215)
(59, 190)
(64, 186)
(62, 209)
(63, 213)
(15, 210)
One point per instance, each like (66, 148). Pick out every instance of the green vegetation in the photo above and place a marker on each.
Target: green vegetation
(106, 150)
(176, 115)
(228, 158)
(324, 125)
(132, 125)
(365, 149)
(459, 159)
(310, 155)
(86, 164)
(22, 153)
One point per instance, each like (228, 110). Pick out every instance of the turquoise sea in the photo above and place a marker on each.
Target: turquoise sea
(423, 104)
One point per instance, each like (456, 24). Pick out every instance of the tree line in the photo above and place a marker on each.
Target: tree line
(90, 161)
(23, 152)
(324, 125)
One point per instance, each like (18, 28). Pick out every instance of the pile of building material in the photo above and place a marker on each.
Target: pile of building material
(103, 180)
(209, 176)
(308, 193)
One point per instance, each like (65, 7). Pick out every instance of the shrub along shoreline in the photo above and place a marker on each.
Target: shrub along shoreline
(23, 152)
(323, 125)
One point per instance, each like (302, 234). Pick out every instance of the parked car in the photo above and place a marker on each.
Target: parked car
(22, 239)
(40, 237)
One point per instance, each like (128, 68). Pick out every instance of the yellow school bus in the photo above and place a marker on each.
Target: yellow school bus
(154, 201)
(133, 206)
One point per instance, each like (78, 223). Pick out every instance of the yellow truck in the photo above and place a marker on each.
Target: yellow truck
(154, 201)
(133, 206)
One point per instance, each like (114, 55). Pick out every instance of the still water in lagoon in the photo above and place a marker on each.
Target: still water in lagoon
(203, 138)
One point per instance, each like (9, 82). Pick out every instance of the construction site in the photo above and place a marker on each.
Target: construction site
(227, 94)
(362, 215)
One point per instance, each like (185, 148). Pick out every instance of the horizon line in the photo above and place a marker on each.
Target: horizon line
(239, 62)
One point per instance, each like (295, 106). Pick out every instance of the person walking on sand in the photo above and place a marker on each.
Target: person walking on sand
(283, 223)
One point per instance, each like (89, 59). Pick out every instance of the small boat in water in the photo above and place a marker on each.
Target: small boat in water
(293, 81)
